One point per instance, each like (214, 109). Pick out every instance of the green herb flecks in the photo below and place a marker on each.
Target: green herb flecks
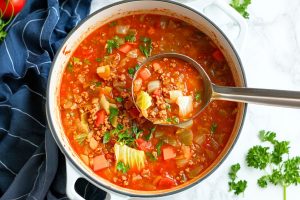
(114, 43)
(112, 24)
(131, 71)
(119, 99)
(106, 137)
(150, 135)
(112, 113)
(136, 131)
(237, 186)
(158, 147)
(198, 96)
(122, 167)
(213, 127)
(151, 156)
(241, 6)
(146, 46)
(130, 38)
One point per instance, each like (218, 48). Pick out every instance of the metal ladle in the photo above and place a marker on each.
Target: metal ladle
(213, 92)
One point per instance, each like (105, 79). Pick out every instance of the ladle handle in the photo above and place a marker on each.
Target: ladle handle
(260, 96)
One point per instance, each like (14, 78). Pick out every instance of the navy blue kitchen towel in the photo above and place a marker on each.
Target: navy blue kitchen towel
(31, 165)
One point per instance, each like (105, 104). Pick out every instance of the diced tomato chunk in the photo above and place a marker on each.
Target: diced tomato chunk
(151, 31)
(100, 162)
(143, 145)
(168, 153)
(125, 48)
(100, 117)
(145, 73)
(166, 183)
(218, 56)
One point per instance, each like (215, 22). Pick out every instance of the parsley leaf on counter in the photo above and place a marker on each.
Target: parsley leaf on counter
(241, 6)
(277, 171)
(239, 186)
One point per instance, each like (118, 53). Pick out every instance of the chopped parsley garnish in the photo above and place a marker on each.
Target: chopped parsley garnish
(112, 24)
(198, 96)
(80, 138)
(120, 127)
(126, 138)
(98, 83)
(122, 167)
(150, 135)
(77, 61)
(99, 59)
(151, 156)
(135, 130)
(137, 67)
(113, 44)
(112, 113)
(86, 61)
(174, 120)
(131, 71)
(146, 46)
(239, 186)
(130, 38)
(106, 137)
(213, 127)
(70, 67)
(119, 99)
(158, 147)
(241, 6)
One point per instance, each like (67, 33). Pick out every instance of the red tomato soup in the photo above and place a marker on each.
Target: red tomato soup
(106, 129)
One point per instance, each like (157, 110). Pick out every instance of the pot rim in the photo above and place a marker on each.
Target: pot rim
(93, 179)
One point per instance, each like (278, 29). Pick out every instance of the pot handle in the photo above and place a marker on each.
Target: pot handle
(231, 12)
(72, 176)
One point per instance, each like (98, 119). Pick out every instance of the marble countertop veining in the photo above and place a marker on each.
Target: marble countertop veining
(271, 59)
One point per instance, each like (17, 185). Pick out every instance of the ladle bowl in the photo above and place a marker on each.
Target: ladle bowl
(213, 92)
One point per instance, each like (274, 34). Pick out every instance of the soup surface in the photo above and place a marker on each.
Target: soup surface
(106, 129)
(168, 90)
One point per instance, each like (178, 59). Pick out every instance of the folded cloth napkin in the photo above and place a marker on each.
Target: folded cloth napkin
(31, 165)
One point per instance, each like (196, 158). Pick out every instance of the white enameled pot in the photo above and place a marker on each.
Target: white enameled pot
(189, 12)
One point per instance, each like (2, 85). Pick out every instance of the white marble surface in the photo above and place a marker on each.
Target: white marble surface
(271, 59)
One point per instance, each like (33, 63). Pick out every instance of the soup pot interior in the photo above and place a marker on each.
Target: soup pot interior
(104, 16)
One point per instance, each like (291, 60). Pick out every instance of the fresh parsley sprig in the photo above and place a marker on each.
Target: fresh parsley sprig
(280, 172)
(237, 186)
(241, 6)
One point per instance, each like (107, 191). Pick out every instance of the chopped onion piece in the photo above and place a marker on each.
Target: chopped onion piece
(174, 94)
(153, 85)
(104, 104)
(132, 54)
(185, 104)
(121, 29)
